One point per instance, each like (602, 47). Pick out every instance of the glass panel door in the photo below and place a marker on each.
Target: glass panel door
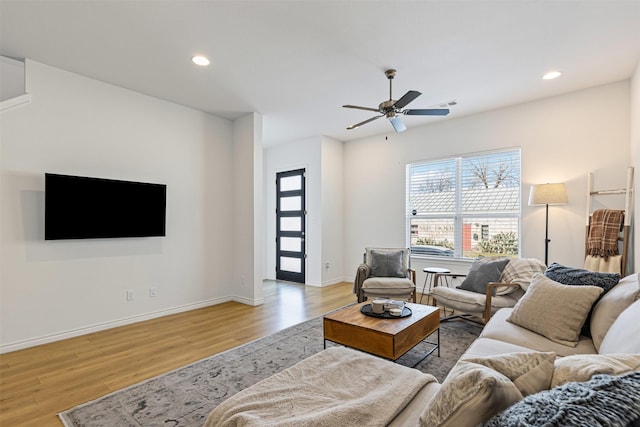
(290, 226)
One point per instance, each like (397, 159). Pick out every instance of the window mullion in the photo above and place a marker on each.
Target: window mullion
(457, 222)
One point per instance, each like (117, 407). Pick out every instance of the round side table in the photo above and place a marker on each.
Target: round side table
(430, 274)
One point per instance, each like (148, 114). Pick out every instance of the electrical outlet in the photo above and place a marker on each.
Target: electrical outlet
(327, 265)
(153, 292)
(131, 295)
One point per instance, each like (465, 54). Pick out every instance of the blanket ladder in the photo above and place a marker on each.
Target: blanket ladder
(627, 191)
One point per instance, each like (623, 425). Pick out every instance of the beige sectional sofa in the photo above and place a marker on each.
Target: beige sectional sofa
(504, 365)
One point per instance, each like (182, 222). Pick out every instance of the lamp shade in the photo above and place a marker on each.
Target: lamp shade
(548, 194)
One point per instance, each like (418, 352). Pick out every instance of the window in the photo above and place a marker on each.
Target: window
(466, 206)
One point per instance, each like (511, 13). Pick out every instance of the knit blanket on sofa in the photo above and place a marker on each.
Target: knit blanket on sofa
(604, 400)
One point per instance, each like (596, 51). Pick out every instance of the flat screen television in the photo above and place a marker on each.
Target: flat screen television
(78, 207)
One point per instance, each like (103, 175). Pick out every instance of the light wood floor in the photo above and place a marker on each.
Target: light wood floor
(39, 382)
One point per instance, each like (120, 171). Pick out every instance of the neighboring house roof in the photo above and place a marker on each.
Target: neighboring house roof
(502, 199)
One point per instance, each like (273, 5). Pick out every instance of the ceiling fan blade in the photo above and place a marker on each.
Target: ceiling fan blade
(362, 108)
(357, 125)
(397, 124)
(407, 98)
(427, 112)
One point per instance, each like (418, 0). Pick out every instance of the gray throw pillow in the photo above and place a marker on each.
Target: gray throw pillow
(580, 277)
(386, 264)
(483, 271)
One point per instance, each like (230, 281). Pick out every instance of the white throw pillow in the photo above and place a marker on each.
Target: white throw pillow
(554, 310)
(623, 335)
(530, 372)
(581, 367)
(471, 394)
(477, 389)
(614, 302)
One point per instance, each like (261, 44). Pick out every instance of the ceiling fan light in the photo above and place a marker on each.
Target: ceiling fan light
(397, 123)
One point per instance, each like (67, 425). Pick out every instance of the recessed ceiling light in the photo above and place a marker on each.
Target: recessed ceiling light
(552, 75)
(200, 60)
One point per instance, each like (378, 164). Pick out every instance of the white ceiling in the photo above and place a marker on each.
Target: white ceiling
(298, 62)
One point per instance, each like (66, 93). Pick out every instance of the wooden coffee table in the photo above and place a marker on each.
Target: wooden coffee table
(388, 338)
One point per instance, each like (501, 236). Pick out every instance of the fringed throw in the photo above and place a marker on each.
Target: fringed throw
(603, 232)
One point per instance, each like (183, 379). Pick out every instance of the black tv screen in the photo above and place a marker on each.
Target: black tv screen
(79, 207)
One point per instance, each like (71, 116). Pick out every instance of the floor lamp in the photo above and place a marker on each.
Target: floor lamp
(547, 194)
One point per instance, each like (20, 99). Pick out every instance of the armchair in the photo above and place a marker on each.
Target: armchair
(488, 296)
(385, 273)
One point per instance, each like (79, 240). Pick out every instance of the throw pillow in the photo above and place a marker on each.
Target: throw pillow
(483, 271)
(470, 394)
(530, 372)
(386, 264)
(604, 400)
(581, 367)
(554, 310)
(520, 271)
(580, 277)
(607, 310)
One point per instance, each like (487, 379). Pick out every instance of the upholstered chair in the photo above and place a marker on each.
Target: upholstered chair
(490, 284)
(385, 273)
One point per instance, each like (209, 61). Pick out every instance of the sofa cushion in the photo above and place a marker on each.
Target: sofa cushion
(520, 271)
(470, 394)
(607, 310)
(622, 336)
(388, 282)
(604, 400)
(554, 310)
(469, 302)
(582, 367)
(500, 330)
(483, 271)
(580, 277)
(482, 347)
(410, 415)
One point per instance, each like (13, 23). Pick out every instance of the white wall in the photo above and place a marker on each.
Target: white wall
(332, 167)
(562, 139)
(75, 125)
(12, 81)
(247, 209)
(635, 160)
(284, 157)
(321, 157)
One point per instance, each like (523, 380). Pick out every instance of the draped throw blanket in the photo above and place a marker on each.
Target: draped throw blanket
(361, 275)
(336, 387)
(603, 232)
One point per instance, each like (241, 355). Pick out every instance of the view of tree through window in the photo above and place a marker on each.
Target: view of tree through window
(467, 206)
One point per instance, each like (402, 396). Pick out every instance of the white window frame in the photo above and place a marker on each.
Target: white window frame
(458, 216)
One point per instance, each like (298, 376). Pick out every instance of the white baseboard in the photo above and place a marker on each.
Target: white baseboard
(19, 345)
(328, 282)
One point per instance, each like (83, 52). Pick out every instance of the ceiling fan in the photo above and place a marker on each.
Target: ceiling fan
(391, 108)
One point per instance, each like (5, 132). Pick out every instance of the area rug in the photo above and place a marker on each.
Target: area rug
(184, 397)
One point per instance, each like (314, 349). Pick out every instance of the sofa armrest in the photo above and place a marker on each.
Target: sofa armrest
(362, 274)
(490, 290)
